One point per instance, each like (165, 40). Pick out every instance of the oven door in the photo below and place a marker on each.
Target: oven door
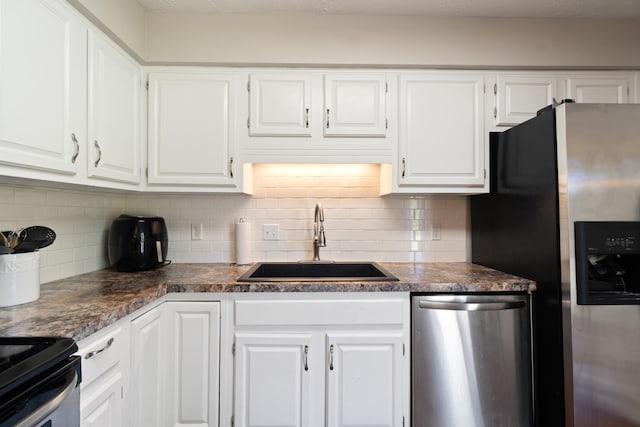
(50, 400)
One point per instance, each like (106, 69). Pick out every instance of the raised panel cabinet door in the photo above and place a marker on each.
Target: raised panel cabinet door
(520, 97)
(103, 408)
(598, 90)
(115, 86)
(272, 380)
(441, 139)
(355, 105)
(147, 369)
(279, 104)
(364, 379)
(193, 353)
(42, 85)
(191, 128)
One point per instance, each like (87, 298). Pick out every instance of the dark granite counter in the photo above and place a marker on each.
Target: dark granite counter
(81, 305)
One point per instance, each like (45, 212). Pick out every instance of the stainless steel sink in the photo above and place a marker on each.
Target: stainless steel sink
(316, 272)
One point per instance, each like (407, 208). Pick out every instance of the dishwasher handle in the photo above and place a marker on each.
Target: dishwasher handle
(487, 305)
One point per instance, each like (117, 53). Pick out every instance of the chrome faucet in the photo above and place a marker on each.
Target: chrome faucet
(318, 232)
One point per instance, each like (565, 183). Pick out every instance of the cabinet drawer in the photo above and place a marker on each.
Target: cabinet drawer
(319, 312)
(103, 352)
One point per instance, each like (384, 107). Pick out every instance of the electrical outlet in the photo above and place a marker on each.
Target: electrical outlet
(196, 231)
(436, 232)
(271, 232)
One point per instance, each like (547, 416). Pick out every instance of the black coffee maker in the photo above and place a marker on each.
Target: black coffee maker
(138, 243)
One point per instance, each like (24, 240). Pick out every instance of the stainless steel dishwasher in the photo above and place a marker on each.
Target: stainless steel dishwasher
(471, 361)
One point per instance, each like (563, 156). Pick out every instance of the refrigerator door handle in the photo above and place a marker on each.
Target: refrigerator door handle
(471, 306)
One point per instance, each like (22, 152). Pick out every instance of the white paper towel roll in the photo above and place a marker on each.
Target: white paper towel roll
(243, 242)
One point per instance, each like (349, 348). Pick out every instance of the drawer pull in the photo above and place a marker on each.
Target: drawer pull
(96, 352)
(306, 357)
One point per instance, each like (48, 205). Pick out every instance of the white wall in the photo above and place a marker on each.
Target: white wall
(359, 224)
(124, 19)
(392, 41)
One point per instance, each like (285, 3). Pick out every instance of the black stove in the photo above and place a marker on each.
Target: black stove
(39, 379)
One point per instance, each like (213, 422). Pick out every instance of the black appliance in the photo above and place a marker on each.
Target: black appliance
(138, 243)
(39, 382)
(564, 211)
(515, 229)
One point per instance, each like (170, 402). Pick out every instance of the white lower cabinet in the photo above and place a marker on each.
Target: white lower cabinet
(364, 379)
(104, 383)
(175, 365)
(192, 363)
(320, 363)
(289, 361)
(273, 379)
(148, 372)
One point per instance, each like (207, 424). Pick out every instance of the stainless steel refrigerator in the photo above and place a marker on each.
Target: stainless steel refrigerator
(564, 210)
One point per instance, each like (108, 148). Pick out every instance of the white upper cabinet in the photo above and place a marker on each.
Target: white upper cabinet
(279, 104)
(441, 132)
(192, 129)
(319, 116)
(114, 126)
(519, 97)
(599, 89)
(42, 85)
(355, 105)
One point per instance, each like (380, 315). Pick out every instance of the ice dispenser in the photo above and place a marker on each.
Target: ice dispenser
(607, 262)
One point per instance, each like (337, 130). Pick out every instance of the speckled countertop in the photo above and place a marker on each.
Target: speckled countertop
(81, 305)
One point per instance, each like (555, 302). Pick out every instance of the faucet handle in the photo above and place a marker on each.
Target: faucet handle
(321, 239)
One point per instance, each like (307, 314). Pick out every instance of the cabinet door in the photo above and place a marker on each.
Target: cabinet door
(364, 380)
(103, 407)
(520, 97)
(441, 130)
(355, 105)
(598, 90)
(42, 85)
(147, 369)
(191, 128)
(193, 339)
(279, 104)
(114, 112)
(272, 384)
(105, 367)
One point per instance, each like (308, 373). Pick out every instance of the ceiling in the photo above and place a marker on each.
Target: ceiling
(479, 8)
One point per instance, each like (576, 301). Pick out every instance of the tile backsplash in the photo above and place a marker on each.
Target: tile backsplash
(359, 224)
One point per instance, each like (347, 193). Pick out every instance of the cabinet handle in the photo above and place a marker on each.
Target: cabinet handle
(96, 352)
(328, 118)
(306, 118)
(231, 167)
(95, 144)
(404, 166)
(76, 147)
(306, 357)
(331, 357)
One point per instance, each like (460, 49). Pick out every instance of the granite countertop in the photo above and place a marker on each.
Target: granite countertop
(81, 305)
